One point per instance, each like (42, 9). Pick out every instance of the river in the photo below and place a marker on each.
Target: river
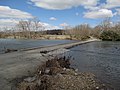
(28, 43)
(100, 58)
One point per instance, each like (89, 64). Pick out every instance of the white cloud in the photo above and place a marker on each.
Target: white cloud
(8, 22)
(47, 26)
(92, 7)
(7, 12)
(102, 13)
(10, 17)
(112, 4)
(53, 18)
(89, 2)
(64, 24)
(63, 4)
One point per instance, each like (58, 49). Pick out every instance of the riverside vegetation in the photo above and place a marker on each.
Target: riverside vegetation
(32, 29)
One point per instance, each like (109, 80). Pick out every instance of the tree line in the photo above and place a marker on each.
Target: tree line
(106, 30)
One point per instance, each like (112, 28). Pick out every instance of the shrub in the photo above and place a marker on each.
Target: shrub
(109, 36)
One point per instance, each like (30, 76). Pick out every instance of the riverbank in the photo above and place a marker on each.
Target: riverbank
(44, 37)
(57, 74)
(50, 37)
(25, 62)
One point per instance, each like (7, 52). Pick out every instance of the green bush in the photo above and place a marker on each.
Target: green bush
(110, 36)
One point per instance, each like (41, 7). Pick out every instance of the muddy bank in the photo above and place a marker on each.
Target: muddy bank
(56, 74)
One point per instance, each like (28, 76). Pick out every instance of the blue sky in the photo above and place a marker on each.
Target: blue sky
(58, 13)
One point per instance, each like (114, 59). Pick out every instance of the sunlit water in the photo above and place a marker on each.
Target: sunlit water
(100, 58)
(24, 44)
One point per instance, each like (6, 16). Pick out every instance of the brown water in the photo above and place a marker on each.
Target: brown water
(100, 58)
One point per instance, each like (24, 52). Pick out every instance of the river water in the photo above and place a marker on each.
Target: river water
(100, 58)
(24, 44)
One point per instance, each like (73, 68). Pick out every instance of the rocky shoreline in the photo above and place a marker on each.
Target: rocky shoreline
(56, 74)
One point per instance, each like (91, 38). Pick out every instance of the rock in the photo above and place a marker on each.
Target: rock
(47, 71)
(64, 63)
(76, 70)
(97, 88)
(54, 70)
(64, 69)
(44, 52)
(10, 50)
(52, 63)
(38, 82)
(30, 79)
(40, 72)
(76, 74)
(67, 70)
(59, 75)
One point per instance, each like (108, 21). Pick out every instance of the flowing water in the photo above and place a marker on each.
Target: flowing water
(100, 58)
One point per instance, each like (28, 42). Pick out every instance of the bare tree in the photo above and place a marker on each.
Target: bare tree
(36, 26)
(96, 31)
(29, 28)
(106, 24)
(81, 31)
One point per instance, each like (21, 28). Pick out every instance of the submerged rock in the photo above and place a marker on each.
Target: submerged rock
(10, 50)
(30, 79)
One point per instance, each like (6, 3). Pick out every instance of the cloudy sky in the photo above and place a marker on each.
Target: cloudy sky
(59, 13)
